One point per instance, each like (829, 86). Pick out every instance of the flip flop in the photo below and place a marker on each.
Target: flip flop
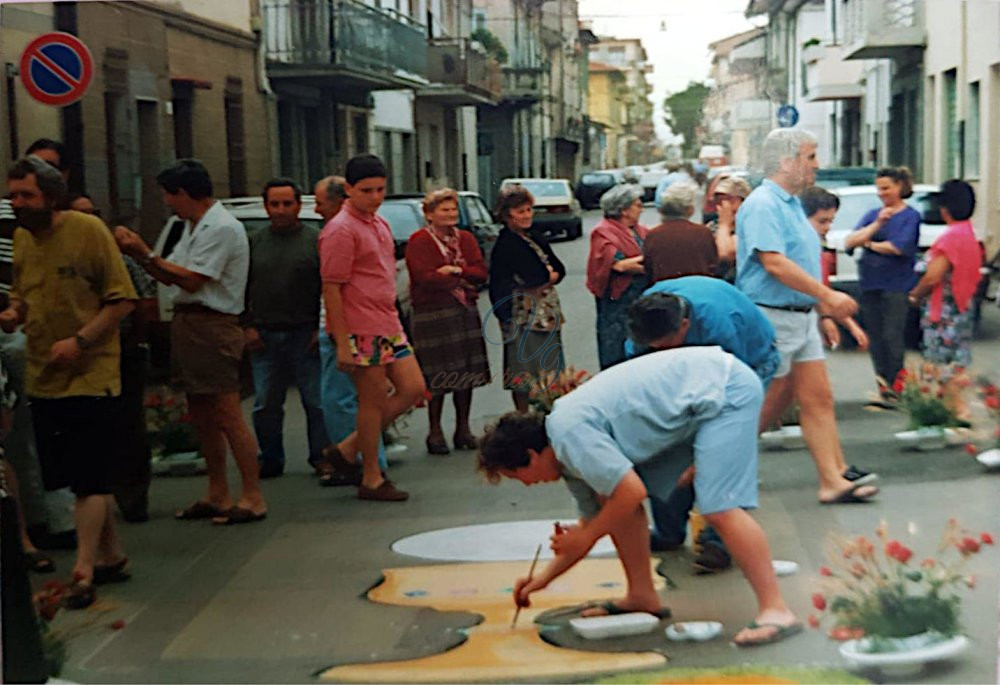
(613, 609)
(199, 510)
(238, 515)
(40, 563)
(112, 573)
(849, 497)
(780, 634)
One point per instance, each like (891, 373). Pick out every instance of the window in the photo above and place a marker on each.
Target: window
(478, 20)
(972, 132)
(951, 151)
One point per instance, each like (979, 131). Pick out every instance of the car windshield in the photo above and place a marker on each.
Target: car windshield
(545, 188)
(595, 179)
(403, 219)
(854, 206)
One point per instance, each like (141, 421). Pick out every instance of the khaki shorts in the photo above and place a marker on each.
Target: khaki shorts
(205, 351)
(797, 337)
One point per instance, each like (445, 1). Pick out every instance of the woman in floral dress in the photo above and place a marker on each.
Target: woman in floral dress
(950, 281)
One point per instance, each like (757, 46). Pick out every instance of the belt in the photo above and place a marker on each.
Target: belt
(198, 308)
(785, 308)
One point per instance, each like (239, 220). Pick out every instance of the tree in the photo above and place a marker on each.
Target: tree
(682, 112)
(491, 44)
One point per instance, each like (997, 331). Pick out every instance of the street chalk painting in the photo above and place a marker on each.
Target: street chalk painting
(493, 650)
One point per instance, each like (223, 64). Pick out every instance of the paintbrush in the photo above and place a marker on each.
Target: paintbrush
(531, 572)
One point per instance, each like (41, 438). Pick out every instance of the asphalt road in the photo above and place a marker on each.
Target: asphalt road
(275, 601)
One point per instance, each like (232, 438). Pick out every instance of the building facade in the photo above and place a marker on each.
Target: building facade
(637, 143)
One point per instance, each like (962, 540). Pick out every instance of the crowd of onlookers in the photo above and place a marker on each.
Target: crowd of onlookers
(317, 309)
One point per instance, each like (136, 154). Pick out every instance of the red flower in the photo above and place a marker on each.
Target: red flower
(990, 390)
(993, 402)
(898, 551)
(117, 625)
(968, 546)
(819, 601)
(813, 621)
(898, 386)
(825, 571)
(185, 417)
(971, 449)
(169, 402)
(903, 373)
(986, 538)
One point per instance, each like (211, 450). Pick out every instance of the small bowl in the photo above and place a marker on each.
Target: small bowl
(990, 458)
(694, 631)
(784, 568)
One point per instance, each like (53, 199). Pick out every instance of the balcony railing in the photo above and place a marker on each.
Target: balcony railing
(345, 34)
(883, 28)
(455, 62)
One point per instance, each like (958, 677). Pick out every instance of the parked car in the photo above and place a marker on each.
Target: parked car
(557, 212)
(593, 184)
(855, 200)
(651, 178)
(842, 177)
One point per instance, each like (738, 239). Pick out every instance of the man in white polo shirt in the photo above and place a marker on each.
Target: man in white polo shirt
(210, 264)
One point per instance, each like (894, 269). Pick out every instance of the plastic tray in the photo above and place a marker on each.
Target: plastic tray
(620, 625)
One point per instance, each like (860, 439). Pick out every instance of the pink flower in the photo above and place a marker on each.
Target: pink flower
(813, 621)
(898, 551)
(971, 449)
(825, 571)
(986, 538)
(968, 546)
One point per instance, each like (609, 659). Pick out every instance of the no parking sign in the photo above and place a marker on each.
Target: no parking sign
(56, 69)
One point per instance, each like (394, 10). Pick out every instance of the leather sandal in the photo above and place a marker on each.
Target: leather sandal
(437, 446)
(337, 471)
(386, 492)
(79, 595)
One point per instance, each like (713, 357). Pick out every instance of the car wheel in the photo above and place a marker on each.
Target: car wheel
(575, 232)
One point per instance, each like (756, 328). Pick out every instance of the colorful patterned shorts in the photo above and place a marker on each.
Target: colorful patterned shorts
(378, 350)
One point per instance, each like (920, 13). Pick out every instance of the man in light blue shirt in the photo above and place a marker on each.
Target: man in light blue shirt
(778, 267)
(676, 174)
(612, 438)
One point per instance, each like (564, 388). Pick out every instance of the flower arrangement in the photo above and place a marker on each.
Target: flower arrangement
(990, 396)
(922, 394)
(567, 380)
(873, 591)
(168, 422)
(48, 601)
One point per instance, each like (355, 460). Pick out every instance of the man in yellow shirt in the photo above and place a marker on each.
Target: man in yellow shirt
(71, 289)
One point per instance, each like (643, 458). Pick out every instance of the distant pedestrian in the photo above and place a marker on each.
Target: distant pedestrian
(71, 290)
(949, 286)
(337, 393)
(446, 269)
(678, 246)
(615, 272)
(358, 264)
(280, 324)
(209, 264)
(524, 272)
(676, 173)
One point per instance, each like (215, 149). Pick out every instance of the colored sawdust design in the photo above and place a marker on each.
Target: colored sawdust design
(495, 651)
(750, 674)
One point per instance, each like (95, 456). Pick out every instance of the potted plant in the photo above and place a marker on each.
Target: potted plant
(990, 397)
(541, 398)
(172, 435)
(933, 415)
(55, 640)
(889, 608)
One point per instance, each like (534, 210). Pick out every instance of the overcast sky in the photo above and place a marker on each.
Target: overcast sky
(675, 33)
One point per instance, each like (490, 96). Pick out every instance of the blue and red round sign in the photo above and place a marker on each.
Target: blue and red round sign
(56, 69)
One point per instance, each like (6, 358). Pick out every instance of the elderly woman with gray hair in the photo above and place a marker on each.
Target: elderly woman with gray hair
(615, 272)
(678, 246)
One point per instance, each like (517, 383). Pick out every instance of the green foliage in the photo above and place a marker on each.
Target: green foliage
(682, 112)
(892, 613)
(492, 44)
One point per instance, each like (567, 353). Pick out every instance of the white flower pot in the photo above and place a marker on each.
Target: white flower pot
(924, 438)
(911, 656)
(179, 464)
(990, 458)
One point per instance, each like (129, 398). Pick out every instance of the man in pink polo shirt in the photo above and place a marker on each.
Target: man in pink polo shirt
(358, 266)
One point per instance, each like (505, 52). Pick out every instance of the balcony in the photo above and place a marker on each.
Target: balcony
(748, 57)
(829, 76)
(883, 28)
(748, 114)
(522, 85)
(460, 74)
(343, 43)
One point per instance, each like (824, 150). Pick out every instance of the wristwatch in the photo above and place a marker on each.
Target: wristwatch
(149, 257)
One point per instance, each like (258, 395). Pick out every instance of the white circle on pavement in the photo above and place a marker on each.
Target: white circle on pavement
(506, 541)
